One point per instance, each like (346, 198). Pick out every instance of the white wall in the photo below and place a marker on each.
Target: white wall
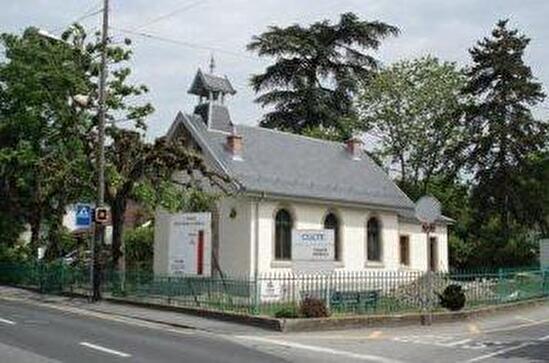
(235, 236)
(353, 236)
(419, 246)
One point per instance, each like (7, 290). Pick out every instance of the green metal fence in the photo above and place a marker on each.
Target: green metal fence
(364, 292)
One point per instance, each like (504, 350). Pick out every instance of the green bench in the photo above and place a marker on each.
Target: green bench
(354, 299)
(341, 300)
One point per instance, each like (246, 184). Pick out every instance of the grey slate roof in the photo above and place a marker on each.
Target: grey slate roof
(296, 166)
(203, 83)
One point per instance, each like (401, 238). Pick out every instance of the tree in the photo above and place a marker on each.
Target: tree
(143, 171)
(412, 108)
(42, 154)
(316, 72)
(47, 158)
(503, 135)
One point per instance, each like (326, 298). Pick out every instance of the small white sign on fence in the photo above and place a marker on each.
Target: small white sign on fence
(544, 253)
(270, 290)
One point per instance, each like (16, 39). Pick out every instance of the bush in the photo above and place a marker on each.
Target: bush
(453, 298)
(288, 312)
(139, 245)
(314, 308)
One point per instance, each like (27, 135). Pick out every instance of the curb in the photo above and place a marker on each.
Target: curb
(360, 321)
(264, 322)
(316, 324)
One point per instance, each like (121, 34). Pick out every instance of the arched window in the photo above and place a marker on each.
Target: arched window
(331, 222)
(374, 240)
(283, 235)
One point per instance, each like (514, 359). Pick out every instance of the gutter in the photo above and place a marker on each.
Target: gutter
(344, 203)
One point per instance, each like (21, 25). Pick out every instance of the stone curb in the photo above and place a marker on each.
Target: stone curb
(317, 324)
(264, 322)
(334, 323)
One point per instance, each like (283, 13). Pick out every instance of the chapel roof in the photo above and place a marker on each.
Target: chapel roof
(283, 164)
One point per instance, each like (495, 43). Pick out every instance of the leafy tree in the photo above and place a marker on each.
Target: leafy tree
(316, 72)
(142, 171)
(412, 108)
(42, 156)
(48, 158)
(502, 133)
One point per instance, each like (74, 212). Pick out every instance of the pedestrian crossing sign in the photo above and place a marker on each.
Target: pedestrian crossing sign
(83, 215)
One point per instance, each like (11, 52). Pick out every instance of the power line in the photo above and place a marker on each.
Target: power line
(167, 15)
(91, 11)
(184, 43)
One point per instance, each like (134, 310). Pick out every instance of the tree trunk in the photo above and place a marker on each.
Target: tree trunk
(118, 209)
(35, 223)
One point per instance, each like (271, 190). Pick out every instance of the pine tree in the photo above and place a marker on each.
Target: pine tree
(316, 72)
(503, 132)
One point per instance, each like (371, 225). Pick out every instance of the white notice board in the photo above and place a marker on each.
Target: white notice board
(189, 250)
(313, 250)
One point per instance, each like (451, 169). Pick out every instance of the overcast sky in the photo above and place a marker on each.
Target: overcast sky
(444, 28)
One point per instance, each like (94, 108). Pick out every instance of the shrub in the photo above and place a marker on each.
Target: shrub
(314, 308)
(139, 245)
(288, 312)
(453, 298)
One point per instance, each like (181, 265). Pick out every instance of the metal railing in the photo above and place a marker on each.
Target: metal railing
(363, 292)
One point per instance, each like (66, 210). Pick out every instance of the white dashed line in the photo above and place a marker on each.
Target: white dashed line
(105, 350)
(6, 321)
(498, 352)
(542, 339)
(312, 348)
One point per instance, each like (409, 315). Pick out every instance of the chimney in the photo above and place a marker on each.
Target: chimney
(234, 144)
(354, 147)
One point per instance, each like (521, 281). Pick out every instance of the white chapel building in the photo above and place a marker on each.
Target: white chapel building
(282, 181)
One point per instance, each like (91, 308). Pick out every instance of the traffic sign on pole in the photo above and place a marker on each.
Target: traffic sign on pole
(83, 215)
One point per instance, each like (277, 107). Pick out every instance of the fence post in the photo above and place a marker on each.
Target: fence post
(256, 292)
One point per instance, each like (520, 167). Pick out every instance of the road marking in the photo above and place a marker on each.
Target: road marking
(105, 350)
(518, 317)
(542, 339)
(6, 321)
(375, 334)
(498, 352)
(473, 328)
(459, 342)
(312, 348)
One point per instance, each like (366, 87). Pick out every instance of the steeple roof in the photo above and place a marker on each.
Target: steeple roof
(204, 83)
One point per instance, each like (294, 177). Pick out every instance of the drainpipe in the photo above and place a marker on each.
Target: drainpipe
(256, 239)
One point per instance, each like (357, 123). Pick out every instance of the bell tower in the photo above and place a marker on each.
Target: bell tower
(211, 91)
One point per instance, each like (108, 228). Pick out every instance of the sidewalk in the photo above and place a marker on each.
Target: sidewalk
(174, 319)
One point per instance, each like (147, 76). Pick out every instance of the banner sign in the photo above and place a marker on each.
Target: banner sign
(313, 245)
(189, 249)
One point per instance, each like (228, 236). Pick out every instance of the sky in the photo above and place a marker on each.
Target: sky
(198, 28)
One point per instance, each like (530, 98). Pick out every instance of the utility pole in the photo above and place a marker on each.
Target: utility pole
(99, 235)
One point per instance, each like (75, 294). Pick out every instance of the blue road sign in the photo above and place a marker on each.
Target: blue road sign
(83, 215)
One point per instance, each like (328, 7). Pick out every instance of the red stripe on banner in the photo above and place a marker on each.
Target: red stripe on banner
(200, 253)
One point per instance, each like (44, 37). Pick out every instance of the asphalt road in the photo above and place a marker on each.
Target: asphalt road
(37, 333)
(30, 333)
